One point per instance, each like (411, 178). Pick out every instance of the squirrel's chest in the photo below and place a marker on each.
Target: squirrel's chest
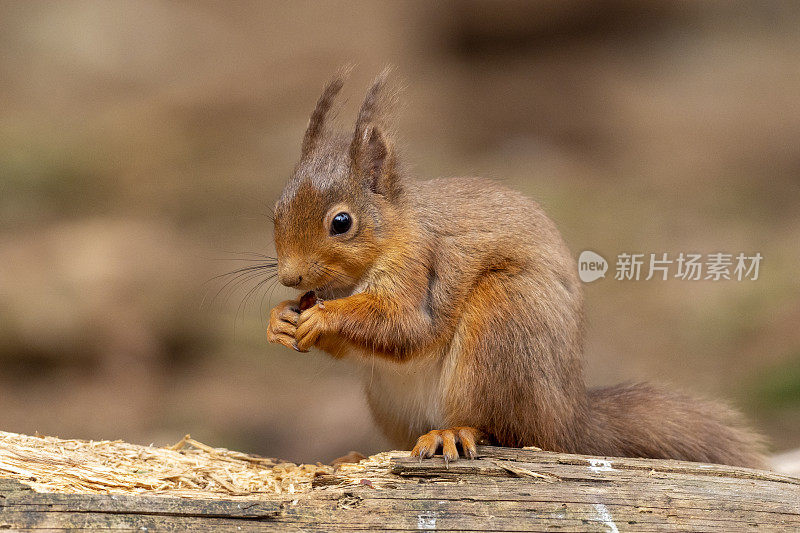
(409, 394)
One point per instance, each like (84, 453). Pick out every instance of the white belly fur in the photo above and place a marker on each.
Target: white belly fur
(410, 392)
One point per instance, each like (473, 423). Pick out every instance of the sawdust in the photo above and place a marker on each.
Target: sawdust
(188, 469)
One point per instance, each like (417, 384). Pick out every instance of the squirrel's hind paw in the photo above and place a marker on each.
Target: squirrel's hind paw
(429, 443)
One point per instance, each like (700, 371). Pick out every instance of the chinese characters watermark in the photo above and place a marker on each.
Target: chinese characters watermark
(663, 266)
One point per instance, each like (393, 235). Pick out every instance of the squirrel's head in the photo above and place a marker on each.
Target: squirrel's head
(333, 214)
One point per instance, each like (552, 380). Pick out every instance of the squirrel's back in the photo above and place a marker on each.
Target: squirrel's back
(479, 207)
(483, 224)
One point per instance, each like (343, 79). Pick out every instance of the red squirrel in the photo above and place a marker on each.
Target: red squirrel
(462, 302)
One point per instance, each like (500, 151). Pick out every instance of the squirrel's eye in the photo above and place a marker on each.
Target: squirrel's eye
(341, 223)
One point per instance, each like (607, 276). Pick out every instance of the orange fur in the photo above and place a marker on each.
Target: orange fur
(461, 300)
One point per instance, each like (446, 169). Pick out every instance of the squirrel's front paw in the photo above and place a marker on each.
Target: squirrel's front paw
(312, 324)
(428, 443)
(283, 324)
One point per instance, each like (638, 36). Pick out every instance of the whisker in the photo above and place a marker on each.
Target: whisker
(332, 277)
(260, 266)
(334, 274)
(243, 281)
(241, 259)
(252, 254)
(265, 310)
(237, 275)
(271, 214)
(233, 283)
(339, 273)
(255, 291)
(243, 305)
(338, 277)
(247, 252)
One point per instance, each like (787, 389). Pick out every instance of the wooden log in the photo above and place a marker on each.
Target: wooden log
(502, 490)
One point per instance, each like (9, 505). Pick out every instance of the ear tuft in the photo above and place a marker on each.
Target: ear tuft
(316, 124)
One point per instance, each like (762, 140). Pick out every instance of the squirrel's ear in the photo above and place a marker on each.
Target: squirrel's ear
(371, 152)
(373, 161)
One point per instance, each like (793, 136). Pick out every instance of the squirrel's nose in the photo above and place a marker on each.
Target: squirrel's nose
(290, 280)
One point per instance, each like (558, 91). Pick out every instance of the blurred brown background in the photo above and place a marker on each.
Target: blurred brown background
(142, 143)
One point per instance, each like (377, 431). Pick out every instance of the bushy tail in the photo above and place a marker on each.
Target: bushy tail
(646, 421)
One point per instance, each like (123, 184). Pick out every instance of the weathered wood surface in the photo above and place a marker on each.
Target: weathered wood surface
(503, 490)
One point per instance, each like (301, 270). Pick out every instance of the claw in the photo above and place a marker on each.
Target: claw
(428, 444)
